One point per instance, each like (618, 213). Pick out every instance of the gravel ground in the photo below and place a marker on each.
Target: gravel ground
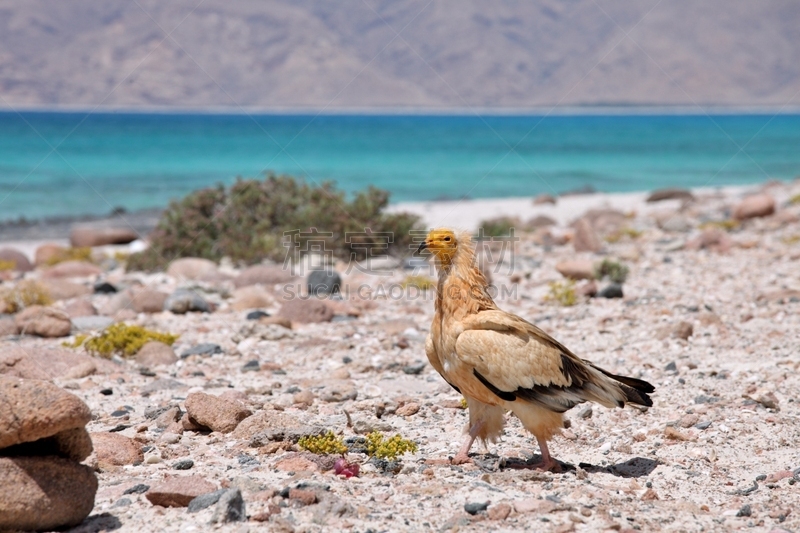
(717, 451)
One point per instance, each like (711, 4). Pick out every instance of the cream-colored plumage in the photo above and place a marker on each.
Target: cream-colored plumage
(500, 362)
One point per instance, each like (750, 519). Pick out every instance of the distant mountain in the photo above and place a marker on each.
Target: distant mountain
(383, 53)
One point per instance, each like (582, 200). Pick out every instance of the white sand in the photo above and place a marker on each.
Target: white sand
(468, 214)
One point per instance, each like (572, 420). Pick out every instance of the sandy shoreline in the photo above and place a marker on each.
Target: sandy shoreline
(468, 214)
(462, 214)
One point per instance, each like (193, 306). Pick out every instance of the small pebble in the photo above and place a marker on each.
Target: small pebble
(122, 502)
(183, 464)
(137, 489)
(104, 287)
(251, 366)
(476, 507)
(745, 510)
(415, 369)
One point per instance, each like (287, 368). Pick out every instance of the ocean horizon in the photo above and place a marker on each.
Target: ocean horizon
(65, 163)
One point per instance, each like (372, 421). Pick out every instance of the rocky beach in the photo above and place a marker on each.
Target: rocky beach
(193, 397)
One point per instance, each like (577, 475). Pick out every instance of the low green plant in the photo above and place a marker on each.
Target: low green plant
(613, 270)
(620, 234)
(420, 282)
(121, 257)
(121, 339)
(76, 342)
(726, 225)
(499, 226)
(562, 293)
(7, 265)
(329, 443)
(795, 199)
(25, 294)
(382, 448)
(464, 403)
(71, 254)
(249, 222)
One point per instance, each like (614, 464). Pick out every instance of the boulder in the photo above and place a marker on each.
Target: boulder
(60, 289)
(605, 221)
(178, 491)
(539, 221)
(586, 238)
(113, 449)
(72, 269)
(675, 222)
(51, 363)
(156, 353)
(612, 290)
(91, 322)
(215, 413)
(73, 444)
(148, 301)
(184, 301)
(47, 254)
(253, 297)
(588, 289)
(660, 195)
(120, 301)
(191, 268)
(36, 410)
(20, 260)
(267, 275)
(576, 269)
(8, 326)
(43, 322)
(230, 508)
(104, 287)
(268, 426)
(544, 199)
(681, 330)
(307, 310)
(338, 390)
(757, 205)
(322, 282)
(44, 493)
(713, 239)
(80, 308)
(86, 236)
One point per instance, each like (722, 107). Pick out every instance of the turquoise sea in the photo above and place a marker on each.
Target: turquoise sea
(55, 163)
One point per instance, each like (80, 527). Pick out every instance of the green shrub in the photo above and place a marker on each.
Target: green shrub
(500, 226)
(69, 254)
(562, 293)
(378, 446)
(122, 339)
(247, 221)
(327, 443)
(25, 294)
(613, 270)
(726, 225)
(620, 234)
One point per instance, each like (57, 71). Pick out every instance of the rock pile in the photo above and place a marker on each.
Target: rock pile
(42, 441)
